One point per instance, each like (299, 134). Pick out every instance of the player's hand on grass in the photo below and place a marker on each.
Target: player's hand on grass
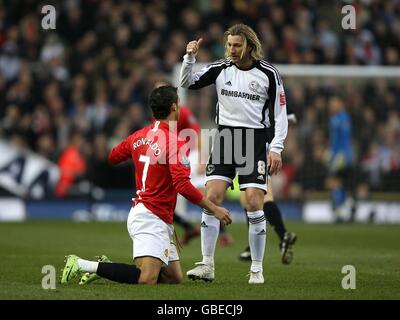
(223, 215)
(275, 161)
(192, 47)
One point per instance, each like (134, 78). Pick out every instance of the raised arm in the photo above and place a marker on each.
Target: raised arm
(196, 80)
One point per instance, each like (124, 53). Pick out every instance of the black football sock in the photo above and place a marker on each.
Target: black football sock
(118, 272)
(185, 224)
(222, 228)
(274, 217)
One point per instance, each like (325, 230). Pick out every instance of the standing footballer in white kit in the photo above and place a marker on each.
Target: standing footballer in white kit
(250, 97)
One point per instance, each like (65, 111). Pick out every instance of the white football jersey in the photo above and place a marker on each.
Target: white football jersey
(251, 98)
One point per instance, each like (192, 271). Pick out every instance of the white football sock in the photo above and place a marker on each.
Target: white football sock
(209, 236)
(88, 266)
(257, 238)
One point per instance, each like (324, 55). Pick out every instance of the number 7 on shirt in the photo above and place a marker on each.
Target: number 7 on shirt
(146, 161)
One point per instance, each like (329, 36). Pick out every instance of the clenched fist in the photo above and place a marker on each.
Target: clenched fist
(192, 47)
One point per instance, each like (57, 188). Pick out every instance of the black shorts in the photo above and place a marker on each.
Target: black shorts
(239, 151)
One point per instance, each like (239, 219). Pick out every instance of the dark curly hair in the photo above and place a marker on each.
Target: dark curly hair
(161, 100)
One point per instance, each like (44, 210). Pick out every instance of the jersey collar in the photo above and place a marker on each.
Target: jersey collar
(249, 68)
(158, 124)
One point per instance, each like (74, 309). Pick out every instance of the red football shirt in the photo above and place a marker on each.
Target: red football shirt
(161, 169)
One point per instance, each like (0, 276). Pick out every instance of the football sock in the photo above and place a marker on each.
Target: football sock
(222, 228)
(88, 266)
(181, 221)
(209, 236)
(274, 217)
(257, 238)
(119, 272)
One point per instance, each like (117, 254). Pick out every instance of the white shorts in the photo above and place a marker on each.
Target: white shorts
(151, 236)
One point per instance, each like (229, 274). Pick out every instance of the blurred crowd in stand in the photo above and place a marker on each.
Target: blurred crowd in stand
(72, 93)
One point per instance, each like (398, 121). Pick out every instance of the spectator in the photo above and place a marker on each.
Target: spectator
(105, 56)
(72, 164)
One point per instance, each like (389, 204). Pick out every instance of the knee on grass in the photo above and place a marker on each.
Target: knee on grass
(148, 278)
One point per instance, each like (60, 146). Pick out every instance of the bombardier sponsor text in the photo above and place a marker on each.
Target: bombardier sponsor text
(240, 94)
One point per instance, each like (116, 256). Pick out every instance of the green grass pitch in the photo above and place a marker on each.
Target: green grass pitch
(320, 254)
